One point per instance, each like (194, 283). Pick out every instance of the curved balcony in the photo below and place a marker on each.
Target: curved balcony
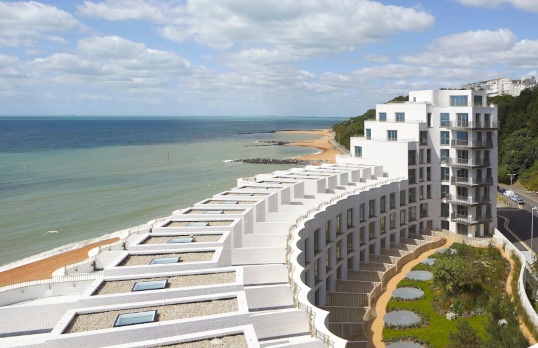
(468, 144)
(464, 181)
(466, 162)
(466, 125)
(470, 219)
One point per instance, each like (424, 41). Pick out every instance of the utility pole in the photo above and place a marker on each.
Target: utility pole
(511, 177)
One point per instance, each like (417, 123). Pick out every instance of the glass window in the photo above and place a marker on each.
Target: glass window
(411, 173)
(445, 117)
(362, 208)
(392, 200)
(382, 204)
(316, 240)
(382, 224)
(445, 191)
(358, 151)
(428, 173)
(412, 213)
(338, 224)
(150, 285)
(458, 100)
(392, 135)
(382, 116)
(445, 174)
(371, 230)
(392, 220)
(402, 197)
(402, 217)
(445, 225)
(445, 154)
(477, 100)
(423, 137)
(368, 133)
(428, 156)
(412, 157)
(350, 217)
(135, 318)
(463, 120)
(445, 138)
(371, 208)
(349, 243)
(400, 117)
(164, 260)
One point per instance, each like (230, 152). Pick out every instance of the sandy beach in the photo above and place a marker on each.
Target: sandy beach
(329, 151)
(43, 269)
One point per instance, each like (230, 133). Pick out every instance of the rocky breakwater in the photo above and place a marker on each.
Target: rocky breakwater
(276, 161)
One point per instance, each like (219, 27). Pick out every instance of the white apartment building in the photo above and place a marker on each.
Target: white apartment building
(503, 86)
(445, 143)
(293, 258)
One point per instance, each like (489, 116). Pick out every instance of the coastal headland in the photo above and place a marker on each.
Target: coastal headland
(44, 268)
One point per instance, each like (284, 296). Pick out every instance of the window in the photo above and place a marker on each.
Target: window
(428, 173)
(392, 200)
(445, 191)
(463, 138)
(412, 157)
(400, 117)
(368, 132)
(328, 232)
(462, 229)
(445, 138)
(392, 135)
(429, 119)
(463, 120)
(197, 224)
(428, 192)
(412, 214)
(362, 215)
(392, 220)
(382, 116)
(445, 154)
(423, 137)
(382, 205)
(458, 100)
(423, 210)
(338, 224)
(412, 174)
(402, 197)
(349, 243)
(412, 195)
(135, 318)
(371, 230)
(463, 192)
(349, 217)
(445, 207)
(164, 260)
(371, 208)
(477, 100)
(445, 225)
(316, 240)
(462, 173)
(339, 249)
(461, 210)
(358, 151)
(361, 236)
(445, 174)
(150, 285)
(428, 156)
(445, 117)
(181, 240)
(402, 217)
(382, 224)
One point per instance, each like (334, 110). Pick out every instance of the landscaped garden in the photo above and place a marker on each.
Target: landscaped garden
(468, 284)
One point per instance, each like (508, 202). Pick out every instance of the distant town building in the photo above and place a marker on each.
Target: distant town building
(503, 86)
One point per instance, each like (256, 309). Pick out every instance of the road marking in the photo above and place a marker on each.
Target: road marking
(506, 221)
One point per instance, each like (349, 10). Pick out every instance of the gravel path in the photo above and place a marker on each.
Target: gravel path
(123, 286)
(197, 238)
(210, 223)
(235, 341)
(105, 320)
(137, 260)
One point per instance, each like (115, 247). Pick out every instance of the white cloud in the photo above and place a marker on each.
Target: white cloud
(479, 48)
(525, 5)
(145, 10)
(377, 58)
(92, 97)
(23, 23)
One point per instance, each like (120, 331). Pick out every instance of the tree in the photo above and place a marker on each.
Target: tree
(456, 274)
(465, 336)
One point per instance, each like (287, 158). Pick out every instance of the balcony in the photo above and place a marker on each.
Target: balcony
(467, 144)
(466, 125)
(454, 180)
(465, 162)
(470, 219)
(463, 200)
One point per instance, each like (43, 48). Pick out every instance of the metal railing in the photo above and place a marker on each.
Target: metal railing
(466, 162)
(471, 144)
(471, 125)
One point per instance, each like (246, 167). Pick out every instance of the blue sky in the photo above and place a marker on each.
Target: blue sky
(243, 57)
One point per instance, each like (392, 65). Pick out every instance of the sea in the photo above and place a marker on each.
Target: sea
(68, 181)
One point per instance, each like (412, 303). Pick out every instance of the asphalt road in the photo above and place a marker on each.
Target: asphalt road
(516, 222)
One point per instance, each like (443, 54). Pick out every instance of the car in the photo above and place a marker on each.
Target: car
(500, 189)
(514, 198)
(519, 201)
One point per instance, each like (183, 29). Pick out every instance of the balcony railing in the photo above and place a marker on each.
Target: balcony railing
(470, 219)
(466, 162)
(455, 199)
(485, 144)
(454, 180)
(471, 125)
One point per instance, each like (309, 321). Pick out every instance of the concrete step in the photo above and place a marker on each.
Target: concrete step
(258, 256)
(265, 274)
(286, 323)
(269, 297)
(271, 240)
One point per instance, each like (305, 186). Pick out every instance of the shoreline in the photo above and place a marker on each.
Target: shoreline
(42, 268)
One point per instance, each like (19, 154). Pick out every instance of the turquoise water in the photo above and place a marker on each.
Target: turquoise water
(89, 178)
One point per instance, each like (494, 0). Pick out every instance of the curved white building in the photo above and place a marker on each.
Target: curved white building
(288, 259)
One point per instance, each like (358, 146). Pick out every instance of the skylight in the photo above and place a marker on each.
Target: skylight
(150, 285)
(214, 212)
(164, 260)
(197, 224)
(135, 318)
(181, 240)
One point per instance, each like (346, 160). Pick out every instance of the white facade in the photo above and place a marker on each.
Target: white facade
(305, 252)
(503, 86)
(445, 143)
